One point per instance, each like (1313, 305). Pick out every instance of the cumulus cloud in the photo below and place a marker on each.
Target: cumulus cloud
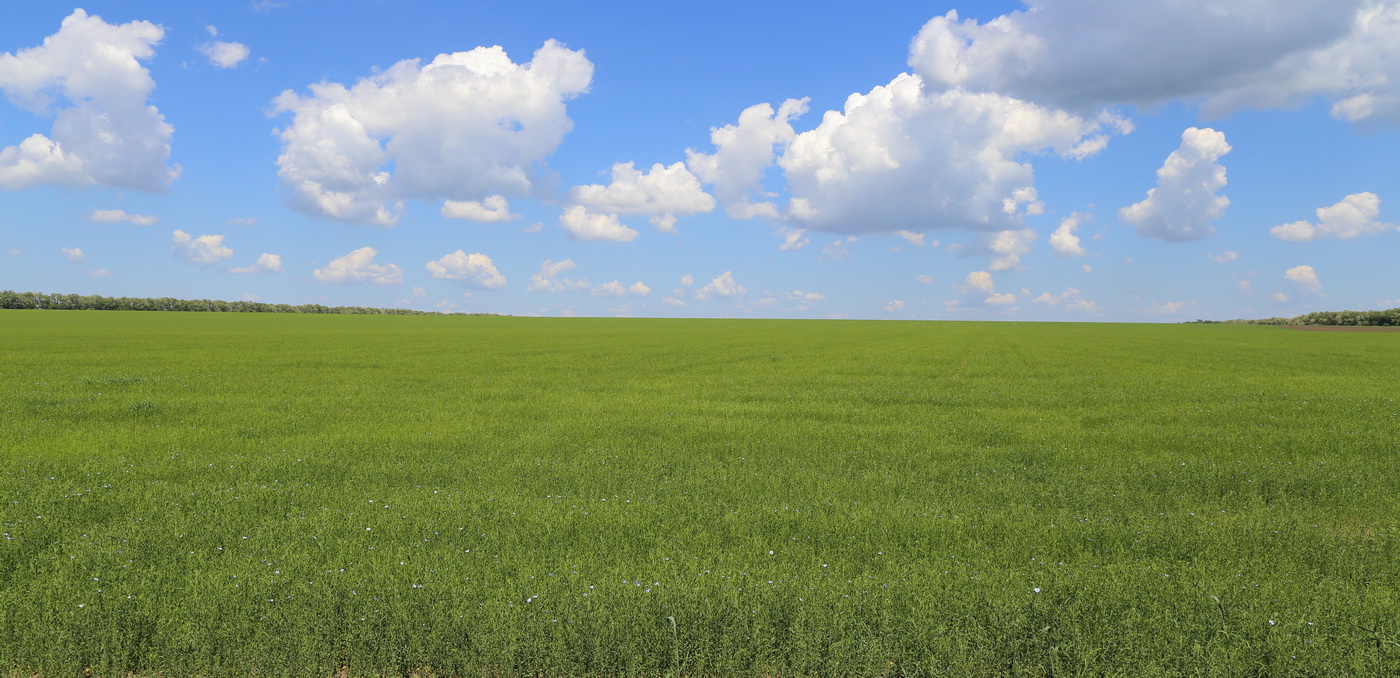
(580, 224)
(915, 239)
(224, 54)
(1236, 54)
(1064, 242)
(75, 255)
(547, 279)
(1006, 247)
(359, 267)
(1224, 257)
(493, 209)
(793, 238)
(1305, 278)
(1068, 299)
(662, 193)
(89, 76)
(904, 158)
(722, 286)
(839, 249)
(120, 216)
(981, 284)
(466, 126)
(1184, 205)
(204, 250)
(744, 152)
(1357, 214)
(266, 263)
(1165, 308)
(980, 280)
(896, 305)
(473, 269)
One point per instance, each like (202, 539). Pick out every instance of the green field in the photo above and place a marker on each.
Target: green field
(190, 494)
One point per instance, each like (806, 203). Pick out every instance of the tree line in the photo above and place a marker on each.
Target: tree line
(1387, 318)
(94, 302)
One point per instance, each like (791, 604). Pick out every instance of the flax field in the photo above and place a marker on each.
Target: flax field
(189, 494)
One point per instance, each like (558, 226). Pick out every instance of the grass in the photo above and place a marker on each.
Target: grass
(228, 495)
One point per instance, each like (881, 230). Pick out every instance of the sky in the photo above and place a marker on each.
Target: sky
(1046, 160)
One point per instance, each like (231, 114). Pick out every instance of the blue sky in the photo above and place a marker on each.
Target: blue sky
(1153, 161)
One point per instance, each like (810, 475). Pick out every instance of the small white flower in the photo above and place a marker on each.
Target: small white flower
(1036, 589)
(1272, 622)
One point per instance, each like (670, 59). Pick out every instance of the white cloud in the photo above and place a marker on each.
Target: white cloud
(1069, 299)
(793, 238)
(925, 279)
(15, 253)
(902, 158)
(662, 193)
(981, 283)
(204, 250)
(99, 273)
(687, 280)
(1235, 55)
(224, 54)
(1007, 247)
(266, 263)
(639, 289)
(118, 216)
(1168, 308)
(491, 210)
(672, 301)
(1024, 197)
(915, 239)
(839, 249)
(608, 289)
(980, 280)
(359, 267)
(896, 305)
(1088, 268)
(1357, 214)
(1245, 286)
(581, 225)
(243, 221)
(546, 280)
(75, 254)
(1304, 277)
(1224, 257)
(722, 285)
(105, 132)
(1280, 297)
(1184, 205)
(799, 295)
(744, 152)
(466, 126)
(1063, 242)
(474, 269)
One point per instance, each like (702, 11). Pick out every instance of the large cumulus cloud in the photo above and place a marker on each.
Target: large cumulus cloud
(467, 126)
(1231, 54)
(905, 158)
(89, 76)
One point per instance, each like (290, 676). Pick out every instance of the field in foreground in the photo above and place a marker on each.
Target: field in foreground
(228, 495)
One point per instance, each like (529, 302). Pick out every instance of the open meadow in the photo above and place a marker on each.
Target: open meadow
(191, 494)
